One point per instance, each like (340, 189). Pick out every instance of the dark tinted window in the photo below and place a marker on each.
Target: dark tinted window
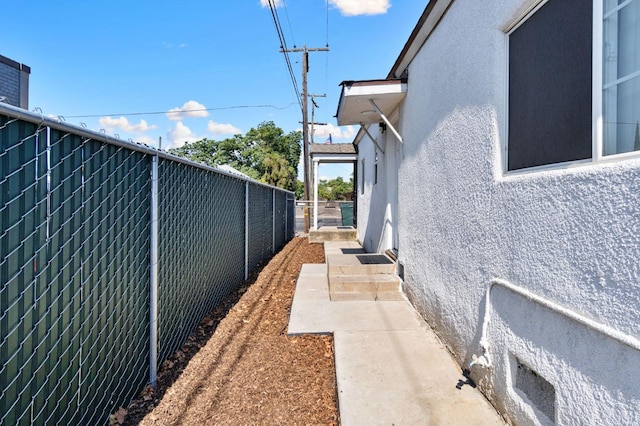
(550, 118)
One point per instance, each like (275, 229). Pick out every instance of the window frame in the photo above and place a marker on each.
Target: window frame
(597, 137)
(375, 168)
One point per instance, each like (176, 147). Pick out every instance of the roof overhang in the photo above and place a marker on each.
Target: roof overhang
(333, 153)
(427, 23)
(363, 102)
(334, 158)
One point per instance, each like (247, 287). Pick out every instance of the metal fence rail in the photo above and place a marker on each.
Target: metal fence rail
(76, 268)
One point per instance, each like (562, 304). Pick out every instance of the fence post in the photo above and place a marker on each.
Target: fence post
(273, 220)
(316, 166)
(153, 291)
(246, 230)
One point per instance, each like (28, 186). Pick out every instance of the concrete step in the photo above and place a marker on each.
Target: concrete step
(342, 247)
(365, 287)
(332, 233)
(359, 264)
(390, 366)
(377, 282)
(367, 296)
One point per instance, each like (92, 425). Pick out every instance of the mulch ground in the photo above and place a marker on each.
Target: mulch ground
(240, 368)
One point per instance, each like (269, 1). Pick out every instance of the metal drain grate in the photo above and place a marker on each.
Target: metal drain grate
(353, 251)
(374, 259)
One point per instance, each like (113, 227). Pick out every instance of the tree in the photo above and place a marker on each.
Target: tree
(324, 190)
(299, 189)
(335, 189)
(264, 153)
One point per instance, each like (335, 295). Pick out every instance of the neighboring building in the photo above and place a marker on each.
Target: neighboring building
(14, 83)
(500, 158)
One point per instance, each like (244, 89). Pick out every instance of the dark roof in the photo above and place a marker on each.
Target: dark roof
(14, 64)
(338, 148)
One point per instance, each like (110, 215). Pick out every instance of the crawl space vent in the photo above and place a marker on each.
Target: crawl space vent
(540, 393)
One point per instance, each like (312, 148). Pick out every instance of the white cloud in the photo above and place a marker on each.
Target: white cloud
(171, 45)
(180, 134)
(222, 129)
(337, 132)
(123, 124)
(189, 109)
(361, 7)
(147, 140)
(276, 3)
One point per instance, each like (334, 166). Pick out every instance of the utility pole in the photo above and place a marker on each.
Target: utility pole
(305, 125)
(313, 111)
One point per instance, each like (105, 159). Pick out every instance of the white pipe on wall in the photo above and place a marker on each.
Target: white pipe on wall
(484, 360)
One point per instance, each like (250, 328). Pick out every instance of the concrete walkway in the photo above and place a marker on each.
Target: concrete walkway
(390, 367)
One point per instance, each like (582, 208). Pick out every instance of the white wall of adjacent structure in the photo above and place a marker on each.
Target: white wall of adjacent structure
(570, 235)
(372, 195)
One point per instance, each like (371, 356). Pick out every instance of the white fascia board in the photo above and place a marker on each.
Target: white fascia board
(375, 89)
(333, 158)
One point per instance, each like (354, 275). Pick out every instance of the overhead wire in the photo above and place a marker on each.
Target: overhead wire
(182, 111)
(286, 11)
(284, 49)
(326, 63)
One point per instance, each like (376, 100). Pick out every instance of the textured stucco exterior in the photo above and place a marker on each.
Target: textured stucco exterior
(568, 234)
(377, 218)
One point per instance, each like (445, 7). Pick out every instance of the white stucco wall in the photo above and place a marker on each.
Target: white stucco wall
(372, 210)
(570, 235)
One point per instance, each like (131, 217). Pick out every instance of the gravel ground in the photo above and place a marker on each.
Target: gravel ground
(240, 368)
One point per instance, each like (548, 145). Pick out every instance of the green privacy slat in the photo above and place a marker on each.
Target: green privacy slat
(201, 246)
(260, 224)
(280, 221)
(74, 289)
(18, 229)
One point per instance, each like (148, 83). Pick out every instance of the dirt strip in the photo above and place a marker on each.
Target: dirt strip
(240, 368)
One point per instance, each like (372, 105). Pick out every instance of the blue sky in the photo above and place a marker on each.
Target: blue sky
(132, 67)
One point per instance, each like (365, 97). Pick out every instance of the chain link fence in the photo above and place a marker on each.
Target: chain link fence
(85, 313)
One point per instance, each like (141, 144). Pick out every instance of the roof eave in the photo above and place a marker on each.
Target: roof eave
(361, 101)
(428, 21)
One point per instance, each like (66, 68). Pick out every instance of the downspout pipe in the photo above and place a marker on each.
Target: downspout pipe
(485, 360)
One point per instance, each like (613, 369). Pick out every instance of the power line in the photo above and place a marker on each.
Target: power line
(326, 61)
(182, 111)
(327, 24)
(286, 12)
(284, 49)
